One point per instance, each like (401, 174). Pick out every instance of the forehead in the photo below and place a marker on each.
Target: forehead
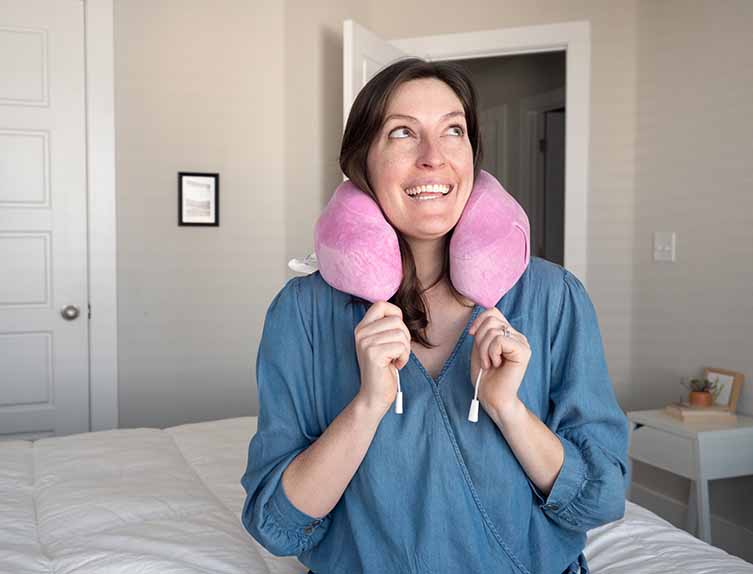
(423, 98)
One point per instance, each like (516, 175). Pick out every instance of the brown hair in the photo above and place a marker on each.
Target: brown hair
(364, 122)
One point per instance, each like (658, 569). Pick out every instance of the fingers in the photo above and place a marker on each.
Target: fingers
(390, 352)
(382, 337)
(384, 324)
(379, 310)
(491, 347)
(490, 313)
(492, 319)
(387, 337)
(488, 329)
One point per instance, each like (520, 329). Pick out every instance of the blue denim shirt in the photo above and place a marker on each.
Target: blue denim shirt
(436, 493)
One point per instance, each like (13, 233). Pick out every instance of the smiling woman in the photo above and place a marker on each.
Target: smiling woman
(415, 125)
(422, 153)
(334, 476)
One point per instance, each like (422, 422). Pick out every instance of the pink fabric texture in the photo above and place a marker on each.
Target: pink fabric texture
(358, 253)
(489, 249)
(356, 248)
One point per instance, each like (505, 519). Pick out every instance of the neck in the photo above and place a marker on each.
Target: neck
(428, 256)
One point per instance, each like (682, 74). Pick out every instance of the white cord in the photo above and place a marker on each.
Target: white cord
(473, 413)
(399, 400)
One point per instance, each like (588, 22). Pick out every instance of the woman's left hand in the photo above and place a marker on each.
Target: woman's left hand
(504, 360)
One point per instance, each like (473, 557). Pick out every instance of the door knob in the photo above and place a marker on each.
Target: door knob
(70, 312)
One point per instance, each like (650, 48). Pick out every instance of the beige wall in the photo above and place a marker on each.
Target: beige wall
(198, 88)
(313, 112)
(254, 91)
(694, 177)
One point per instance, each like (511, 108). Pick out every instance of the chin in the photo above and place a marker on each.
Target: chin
(429, 234)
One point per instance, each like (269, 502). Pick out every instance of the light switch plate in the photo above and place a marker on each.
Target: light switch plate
(664, 245)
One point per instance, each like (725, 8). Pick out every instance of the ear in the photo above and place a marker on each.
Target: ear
(490, 247)
(357, 249)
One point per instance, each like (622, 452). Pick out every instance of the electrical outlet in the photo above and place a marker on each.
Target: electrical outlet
(664, 246)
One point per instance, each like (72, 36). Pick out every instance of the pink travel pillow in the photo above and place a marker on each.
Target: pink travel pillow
(358, 253)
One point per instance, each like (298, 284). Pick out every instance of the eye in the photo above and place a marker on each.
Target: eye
(456, 130)
(399, 133)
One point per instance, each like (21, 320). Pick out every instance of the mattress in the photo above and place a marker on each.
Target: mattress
(169, 501)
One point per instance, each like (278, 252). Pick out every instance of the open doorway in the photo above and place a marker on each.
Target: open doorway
(522, 115)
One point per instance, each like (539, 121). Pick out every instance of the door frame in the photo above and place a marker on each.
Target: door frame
(575, 39)
(102, 220)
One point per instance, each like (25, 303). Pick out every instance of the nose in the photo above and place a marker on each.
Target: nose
(430, 154)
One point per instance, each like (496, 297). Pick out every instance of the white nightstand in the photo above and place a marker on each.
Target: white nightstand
(698, 451)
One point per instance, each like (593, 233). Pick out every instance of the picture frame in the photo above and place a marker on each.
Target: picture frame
(198, 199)
(730, 384)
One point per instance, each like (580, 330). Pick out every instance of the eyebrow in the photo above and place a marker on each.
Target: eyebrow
(411, 118)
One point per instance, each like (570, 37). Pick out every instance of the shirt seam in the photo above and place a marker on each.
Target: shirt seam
(561, 305)
(300, 314)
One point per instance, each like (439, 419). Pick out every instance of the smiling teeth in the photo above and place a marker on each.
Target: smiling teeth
(435, 188)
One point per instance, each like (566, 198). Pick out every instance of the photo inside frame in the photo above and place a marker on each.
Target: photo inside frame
(198, 199)
(724, 386)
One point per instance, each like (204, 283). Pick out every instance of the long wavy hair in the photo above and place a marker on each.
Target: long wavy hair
(364, 123)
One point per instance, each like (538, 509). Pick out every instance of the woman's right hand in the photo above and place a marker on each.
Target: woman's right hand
(382, 344)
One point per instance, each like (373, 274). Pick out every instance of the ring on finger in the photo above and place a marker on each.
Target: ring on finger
(506, 331)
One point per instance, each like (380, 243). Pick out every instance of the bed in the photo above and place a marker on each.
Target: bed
(168, 502)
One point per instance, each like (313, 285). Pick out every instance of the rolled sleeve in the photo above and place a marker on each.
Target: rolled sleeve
(287, 513)
(568, 483)
(590, 488)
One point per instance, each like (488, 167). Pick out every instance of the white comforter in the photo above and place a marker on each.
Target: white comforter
(168, 501)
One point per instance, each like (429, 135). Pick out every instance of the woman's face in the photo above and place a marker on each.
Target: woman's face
(420, 164)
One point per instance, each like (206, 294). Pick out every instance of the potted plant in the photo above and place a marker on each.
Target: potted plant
(703, 392)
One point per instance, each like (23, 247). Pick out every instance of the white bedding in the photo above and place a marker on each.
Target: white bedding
(168, 502)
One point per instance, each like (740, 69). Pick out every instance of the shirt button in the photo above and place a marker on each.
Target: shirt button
(308, 530)
(553, 506)
(316, 522)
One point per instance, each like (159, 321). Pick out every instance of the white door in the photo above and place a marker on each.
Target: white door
(364, 54)
(44, 372)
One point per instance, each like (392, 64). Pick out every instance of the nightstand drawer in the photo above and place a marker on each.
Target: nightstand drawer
(663, 450)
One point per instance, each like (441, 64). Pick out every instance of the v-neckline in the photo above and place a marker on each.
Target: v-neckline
(448, 363)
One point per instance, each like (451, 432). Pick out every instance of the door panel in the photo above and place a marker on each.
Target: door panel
(44, 372)
(554, 188)
(495, 141)
(364, 54)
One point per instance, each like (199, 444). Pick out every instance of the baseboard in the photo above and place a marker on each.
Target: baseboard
(726, 535)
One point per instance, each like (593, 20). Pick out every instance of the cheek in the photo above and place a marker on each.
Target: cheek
(396, 156)
(461, 152)
(387, 170)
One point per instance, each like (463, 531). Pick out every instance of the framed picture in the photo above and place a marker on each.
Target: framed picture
(198, 199)
(728, 383)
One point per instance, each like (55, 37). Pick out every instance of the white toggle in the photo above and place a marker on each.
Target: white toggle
(473, 412)
(399, 399)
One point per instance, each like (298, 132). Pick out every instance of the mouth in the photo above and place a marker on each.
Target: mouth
(429, 192)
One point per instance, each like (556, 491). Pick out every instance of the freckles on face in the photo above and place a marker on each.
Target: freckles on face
(420, 164)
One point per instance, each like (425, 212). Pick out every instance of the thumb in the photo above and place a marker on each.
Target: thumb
(401, 361)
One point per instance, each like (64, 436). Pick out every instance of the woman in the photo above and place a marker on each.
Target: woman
(336, 477)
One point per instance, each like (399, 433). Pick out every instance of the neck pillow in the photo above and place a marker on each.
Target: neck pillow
(357, 249)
